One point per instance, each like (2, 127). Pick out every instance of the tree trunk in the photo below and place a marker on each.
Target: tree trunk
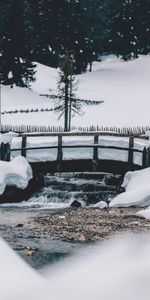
(66, 107)
(70, 105)
(90, 68)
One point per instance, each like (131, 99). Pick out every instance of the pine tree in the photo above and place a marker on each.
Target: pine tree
(131, 29)
(16, 67)
(66, 104)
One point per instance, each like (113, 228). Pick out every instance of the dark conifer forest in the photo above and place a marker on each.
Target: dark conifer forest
(44, 30)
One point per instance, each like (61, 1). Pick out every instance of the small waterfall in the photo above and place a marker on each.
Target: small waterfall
(61, 190)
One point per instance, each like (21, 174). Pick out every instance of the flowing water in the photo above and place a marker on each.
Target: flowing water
(61, 190)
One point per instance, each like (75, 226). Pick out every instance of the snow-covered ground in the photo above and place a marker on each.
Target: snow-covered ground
(123, 86)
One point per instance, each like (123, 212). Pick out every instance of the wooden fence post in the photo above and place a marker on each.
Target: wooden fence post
(5, 152)
(148, 156)
(95, 152)
(24, 143)
(144, 158)
(60, 153)
(130, 153)
(1, 146)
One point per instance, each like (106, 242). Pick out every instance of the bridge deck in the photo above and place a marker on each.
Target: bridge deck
(111, 166)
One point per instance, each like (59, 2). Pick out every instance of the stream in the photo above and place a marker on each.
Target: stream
(38, 248)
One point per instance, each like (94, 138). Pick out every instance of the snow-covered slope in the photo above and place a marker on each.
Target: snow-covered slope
(21, 98)
(123, 86)
(46, 79)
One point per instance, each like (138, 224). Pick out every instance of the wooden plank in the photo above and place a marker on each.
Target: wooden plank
(5, 152)
(95, 152)
(95, 148)
(60, 153)
(23, 148)
(107, 166)
(6, 155)
(80, 146)
(130, 153)
(72, 134)
(144, 158)
(148, 157)
(1, 151)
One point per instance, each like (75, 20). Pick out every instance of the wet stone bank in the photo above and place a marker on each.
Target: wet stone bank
(89, 225)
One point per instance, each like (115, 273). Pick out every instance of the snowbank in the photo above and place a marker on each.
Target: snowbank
(7, 137)
(115, 269)
(15, 173)
(18, 280)
(137, 190)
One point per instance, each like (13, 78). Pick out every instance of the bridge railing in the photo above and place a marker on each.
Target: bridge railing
(60, 146)
(96, 159)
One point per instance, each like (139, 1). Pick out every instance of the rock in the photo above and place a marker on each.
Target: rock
(31, 251)
(111, 179)
(80, 238)
(76, 204)
(13, 194)
(120, 189)
(19, 225)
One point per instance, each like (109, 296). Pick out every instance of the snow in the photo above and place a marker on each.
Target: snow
(123, 86)
(100, 205)
(137, 190)
(145, 213)
(116, 269)
(7, 137)
(18, 280)
(21, 98)
(15, 173)
(46, 79)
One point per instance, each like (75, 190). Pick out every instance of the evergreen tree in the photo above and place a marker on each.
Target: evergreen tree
(144, 26)
(15, 66)
(70, 31)
(66, 104)
(130, 28)
(40, 31)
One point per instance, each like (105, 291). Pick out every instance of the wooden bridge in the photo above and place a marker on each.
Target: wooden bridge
(94, 164)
